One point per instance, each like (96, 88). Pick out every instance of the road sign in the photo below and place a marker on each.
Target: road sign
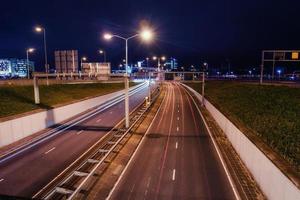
(295, 55)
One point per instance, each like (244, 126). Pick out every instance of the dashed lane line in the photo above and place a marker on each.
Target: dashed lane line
(50, 150)
(174, 174)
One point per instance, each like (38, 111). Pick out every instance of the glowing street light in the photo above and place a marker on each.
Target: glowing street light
(145, 35)
(159, 59)
(29, 50)
(40, 29)
(104, 54)
(81, 61)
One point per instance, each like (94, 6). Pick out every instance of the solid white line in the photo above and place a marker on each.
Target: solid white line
(1, 179)
(99, 120)
(79, 132)
(49, 150)
(174, 174)
(236, 194)
(176, 145)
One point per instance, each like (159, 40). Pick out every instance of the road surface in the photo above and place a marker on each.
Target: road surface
(177, 159)
(26, 173)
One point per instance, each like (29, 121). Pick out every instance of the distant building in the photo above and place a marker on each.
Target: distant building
(96, 68)
(171, 64)
(13, 67)
(66, 61)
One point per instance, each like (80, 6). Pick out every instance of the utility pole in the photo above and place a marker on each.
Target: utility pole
(262, 67)
(149, 95)
(203, 86)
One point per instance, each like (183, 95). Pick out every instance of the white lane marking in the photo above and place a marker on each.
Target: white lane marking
(174, 174)
(70, 124)
(79, 132)
(134, 153)
(177, 129)
(236, 194)
(177, 110)
(2, 179)
(176, 145)
(49, 150)
(148, 183)
(98, 120)
(110, 112)
(178, 118)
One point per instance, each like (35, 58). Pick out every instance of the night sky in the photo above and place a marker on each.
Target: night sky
(192, 31)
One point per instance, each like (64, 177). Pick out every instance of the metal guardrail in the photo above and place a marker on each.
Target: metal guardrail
(72, 184)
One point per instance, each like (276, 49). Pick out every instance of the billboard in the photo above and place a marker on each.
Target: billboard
(66, 61)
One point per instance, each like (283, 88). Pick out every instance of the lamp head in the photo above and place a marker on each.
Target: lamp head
(107, 36)
(30, 50)
(146, 35)
(38, 29)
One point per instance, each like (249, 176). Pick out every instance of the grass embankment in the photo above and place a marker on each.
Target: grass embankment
(271, 112)
(20, 99)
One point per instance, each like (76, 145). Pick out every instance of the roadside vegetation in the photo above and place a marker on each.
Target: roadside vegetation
(271, 112)
(20, 99)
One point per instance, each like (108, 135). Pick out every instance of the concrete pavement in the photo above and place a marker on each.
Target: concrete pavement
(26, 173)
(177, 159)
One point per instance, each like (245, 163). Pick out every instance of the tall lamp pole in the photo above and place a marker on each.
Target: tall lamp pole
(145, 35)
(104, 54)
(29, 50)
(42, 29)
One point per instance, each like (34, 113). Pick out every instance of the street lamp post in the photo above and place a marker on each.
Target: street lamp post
(81, 64)
(147, 59)
(29, 50)
(159, 59)
(146, 35)
(104, 54)
(42, 29)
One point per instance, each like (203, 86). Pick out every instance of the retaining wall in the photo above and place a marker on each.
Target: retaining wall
(16, 129)
(274, 184)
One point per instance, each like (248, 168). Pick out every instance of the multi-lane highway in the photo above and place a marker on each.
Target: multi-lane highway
(176, 159)
(25, 173)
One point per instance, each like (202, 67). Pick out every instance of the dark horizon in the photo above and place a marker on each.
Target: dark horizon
(192, 32)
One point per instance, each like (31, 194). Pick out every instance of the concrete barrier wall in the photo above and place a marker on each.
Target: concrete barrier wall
(16, 129)
(274, 184)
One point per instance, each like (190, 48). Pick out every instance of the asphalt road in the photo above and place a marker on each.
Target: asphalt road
(177, 159)
(27, 173)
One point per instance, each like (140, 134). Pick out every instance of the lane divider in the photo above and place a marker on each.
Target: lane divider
(50, 150)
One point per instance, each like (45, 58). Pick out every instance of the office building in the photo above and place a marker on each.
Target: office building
(18, 68)
(171, 64)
